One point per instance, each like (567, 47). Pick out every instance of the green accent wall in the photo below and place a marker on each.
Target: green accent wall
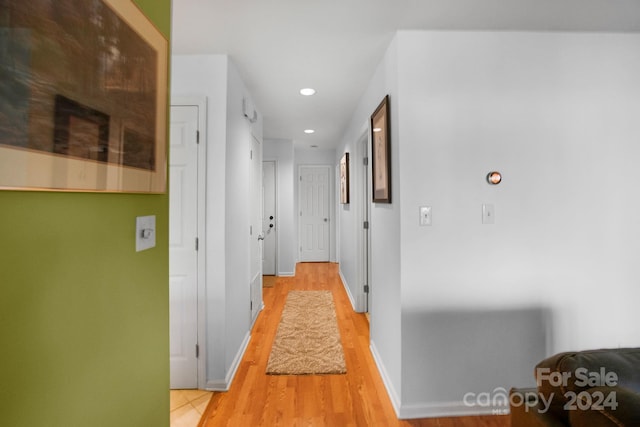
(84, 318)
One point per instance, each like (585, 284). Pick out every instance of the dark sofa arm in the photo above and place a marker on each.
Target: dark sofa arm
(625, 413)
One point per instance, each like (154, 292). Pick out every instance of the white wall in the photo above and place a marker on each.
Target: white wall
(384, 296)
(481, 304)
(227, 207)
(237, 203)
(349, 228)
(206, 75)
(551, 112)
(281, 151)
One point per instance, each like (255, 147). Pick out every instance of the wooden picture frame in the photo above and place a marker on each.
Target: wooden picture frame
(88, 111)
(381, 153)
(344, 179)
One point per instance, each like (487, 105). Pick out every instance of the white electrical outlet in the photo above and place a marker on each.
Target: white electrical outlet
(425, 215)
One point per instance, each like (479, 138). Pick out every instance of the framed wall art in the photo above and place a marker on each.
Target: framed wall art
(381, 153)
(83, 98)
(344, 179)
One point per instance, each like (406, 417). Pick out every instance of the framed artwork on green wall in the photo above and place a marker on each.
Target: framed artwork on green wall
(83, 98)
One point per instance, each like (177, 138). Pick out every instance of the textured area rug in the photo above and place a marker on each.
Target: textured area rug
(307, 340)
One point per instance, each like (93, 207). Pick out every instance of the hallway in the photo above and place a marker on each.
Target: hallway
(355, 399)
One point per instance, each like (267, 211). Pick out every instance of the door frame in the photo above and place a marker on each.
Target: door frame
(254, 235)
(275, 196)
(201, 103)
(363, 213)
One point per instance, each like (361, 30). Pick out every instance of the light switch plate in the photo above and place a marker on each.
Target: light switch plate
(488, 214)
(425, 215)
(145, 232)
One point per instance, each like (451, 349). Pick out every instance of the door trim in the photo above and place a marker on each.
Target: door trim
(277, 215)
(362, 183)
(201, 104)
(253, 236)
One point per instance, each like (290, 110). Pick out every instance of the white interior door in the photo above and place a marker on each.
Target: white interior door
(183, 261)
(313, 199)
(269, 219)
(257, 235)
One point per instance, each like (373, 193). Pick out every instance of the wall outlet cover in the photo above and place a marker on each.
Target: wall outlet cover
(145, 232)
(488, 214)
(425, 215)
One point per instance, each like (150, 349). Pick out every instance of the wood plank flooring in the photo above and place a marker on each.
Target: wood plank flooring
(355, 399)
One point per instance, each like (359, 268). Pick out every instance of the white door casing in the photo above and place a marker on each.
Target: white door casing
(256, 234)
(314, 209)
(269, 218)
(365, 245)
(183, 256)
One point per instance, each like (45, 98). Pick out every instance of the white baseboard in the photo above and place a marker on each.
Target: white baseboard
(286, 274)
(345, 285)
(223, 385)
(447, 409)
(428, 410)
(253, 322)
(216, 385)
(391, 391)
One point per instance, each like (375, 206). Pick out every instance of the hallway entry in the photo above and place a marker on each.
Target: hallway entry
(357, 398)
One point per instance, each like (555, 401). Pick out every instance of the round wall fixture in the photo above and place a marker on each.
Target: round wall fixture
(494, 178)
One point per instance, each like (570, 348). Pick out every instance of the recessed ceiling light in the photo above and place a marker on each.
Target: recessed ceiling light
(309, 131)
(307, 91)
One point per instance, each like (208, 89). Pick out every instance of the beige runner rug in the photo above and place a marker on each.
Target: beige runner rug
(307, 340)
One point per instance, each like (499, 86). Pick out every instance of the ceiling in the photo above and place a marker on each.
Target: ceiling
(333, 46)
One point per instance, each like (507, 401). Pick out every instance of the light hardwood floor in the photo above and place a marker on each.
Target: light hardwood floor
(355, 399)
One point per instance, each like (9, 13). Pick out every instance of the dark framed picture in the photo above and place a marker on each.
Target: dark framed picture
(344, 179)
(83, 98)
(79, 131)
(381, 153)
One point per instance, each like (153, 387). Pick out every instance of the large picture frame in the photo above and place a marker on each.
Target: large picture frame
(83, 98)
(344, 179)
(381, 153)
